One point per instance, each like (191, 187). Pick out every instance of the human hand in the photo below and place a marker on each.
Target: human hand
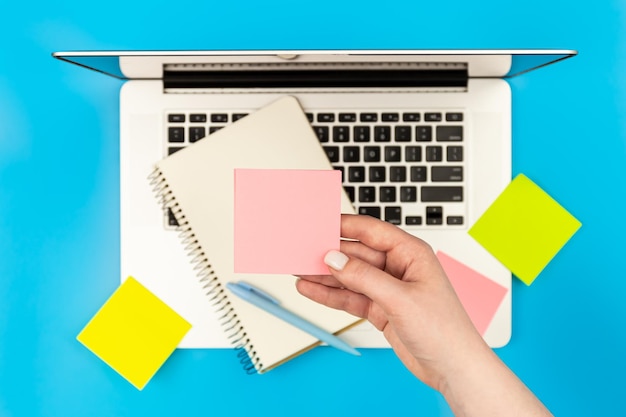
(394, 280)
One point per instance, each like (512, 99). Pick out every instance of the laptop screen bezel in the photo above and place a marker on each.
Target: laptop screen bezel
(521, 60)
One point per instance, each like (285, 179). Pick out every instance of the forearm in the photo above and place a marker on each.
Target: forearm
(482, 386)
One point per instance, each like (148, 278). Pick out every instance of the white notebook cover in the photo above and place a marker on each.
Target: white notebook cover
(199, 182)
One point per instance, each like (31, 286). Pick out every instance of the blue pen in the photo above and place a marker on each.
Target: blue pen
(266, 302)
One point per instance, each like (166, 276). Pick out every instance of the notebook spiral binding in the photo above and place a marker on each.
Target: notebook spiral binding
(211, 286)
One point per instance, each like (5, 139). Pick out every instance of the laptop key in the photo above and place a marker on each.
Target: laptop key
(196, 133)
(397, 174)
(174, 149)
(370, 211)
(393, 215)
(341, 134)
(393, 154)
(388, 194)
(356, 174)
(176, 134)
(454, 117)
(454, 153)
(418, 174)
(449, 133)
(368, 117)
(408, 194)
(441, 194)
(434, 215)
(219, 118)
(446, 174)
(411, 117)
(433, 153)
(197, 118)
(377, 174)
(176, 118)
(371, 154)
(390, 117)
(382, 134)
(413, 154)
(322, 133)
(432, 117)
(413, 220)
(325, 117)
(347, 117)
(403, 134)
(332, 152)
(424, 133)
(237, 116)
(367, 194)
(351, 154)
(350, 192)
(362, 133)
(454, 220)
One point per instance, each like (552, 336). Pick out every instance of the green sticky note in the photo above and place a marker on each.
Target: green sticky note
(524, 228)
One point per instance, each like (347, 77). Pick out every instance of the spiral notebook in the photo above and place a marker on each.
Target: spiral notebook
(197, 184)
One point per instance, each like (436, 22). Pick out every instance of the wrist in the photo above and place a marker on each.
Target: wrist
(467, 363)
(482, 385)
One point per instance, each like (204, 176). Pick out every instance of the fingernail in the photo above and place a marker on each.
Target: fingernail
(336, 260)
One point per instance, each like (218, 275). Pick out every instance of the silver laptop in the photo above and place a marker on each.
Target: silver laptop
(423, 139)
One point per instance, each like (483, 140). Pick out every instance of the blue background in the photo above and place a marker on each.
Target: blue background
(59, 198)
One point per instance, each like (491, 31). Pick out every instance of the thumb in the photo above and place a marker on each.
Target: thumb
(366, 279)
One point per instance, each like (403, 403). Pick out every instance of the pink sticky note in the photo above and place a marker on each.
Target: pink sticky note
(286, 220)
(479, 295)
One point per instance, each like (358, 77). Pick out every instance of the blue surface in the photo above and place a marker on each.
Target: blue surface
(59, 197)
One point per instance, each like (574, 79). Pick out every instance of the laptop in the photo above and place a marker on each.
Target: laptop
(423, 138)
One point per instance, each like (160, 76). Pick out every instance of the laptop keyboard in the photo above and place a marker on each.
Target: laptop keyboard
(405, 167)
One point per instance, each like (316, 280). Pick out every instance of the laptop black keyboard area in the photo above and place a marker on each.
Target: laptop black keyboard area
(405, 167)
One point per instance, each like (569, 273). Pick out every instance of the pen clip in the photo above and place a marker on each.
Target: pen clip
(258, 292)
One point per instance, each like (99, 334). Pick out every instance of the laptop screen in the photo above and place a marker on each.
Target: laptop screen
(153, 64)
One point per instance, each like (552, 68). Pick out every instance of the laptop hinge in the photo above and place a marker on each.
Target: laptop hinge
(318, 78)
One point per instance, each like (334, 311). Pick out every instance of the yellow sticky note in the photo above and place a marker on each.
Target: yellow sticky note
(134, 332)
(524, 228)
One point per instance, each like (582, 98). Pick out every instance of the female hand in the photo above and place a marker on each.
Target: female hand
(395, 281)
